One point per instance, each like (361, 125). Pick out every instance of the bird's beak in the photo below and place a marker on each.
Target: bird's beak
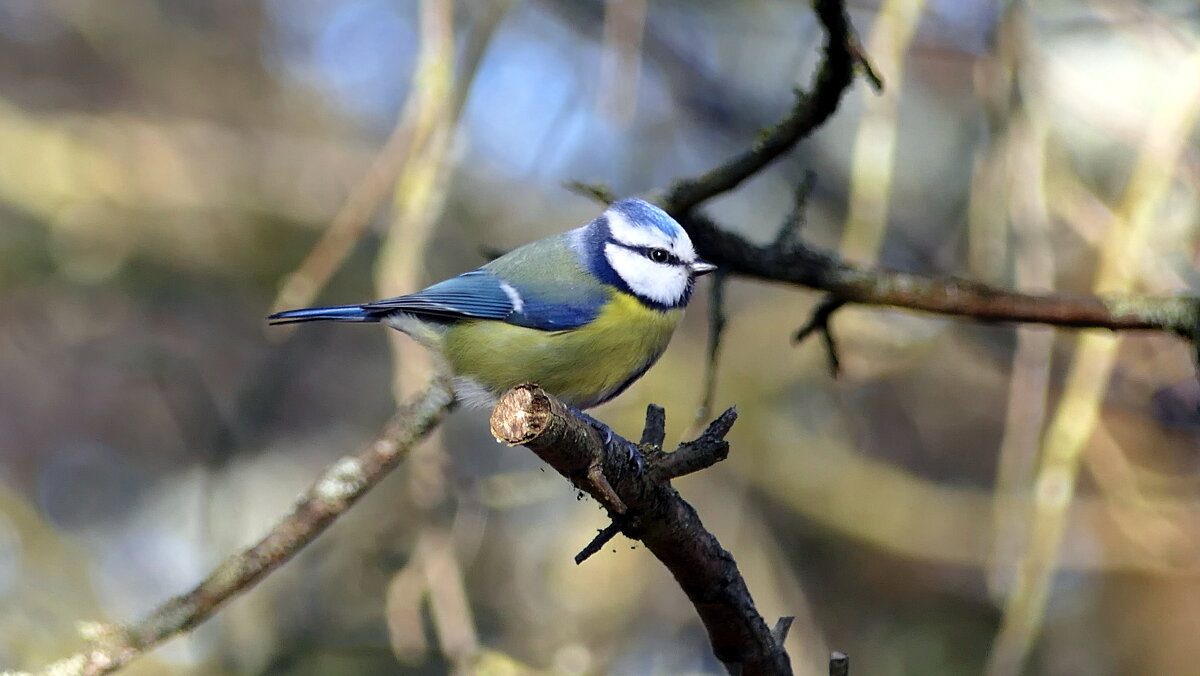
(700, 267)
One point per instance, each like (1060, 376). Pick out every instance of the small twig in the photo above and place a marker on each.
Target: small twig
(839, 664)
(782, 626)
(602, 538)
(716, 328)
(819, 321)
(598, 192)
(654, 433)
(692, 456)
(863, 62)
(595, 474)
(789, 233)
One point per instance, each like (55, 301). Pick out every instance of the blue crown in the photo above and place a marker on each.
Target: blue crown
(643, 214)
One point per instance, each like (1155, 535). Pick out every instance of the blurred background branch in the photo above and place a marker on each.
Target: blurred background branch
(1077, 415)
(112, 646)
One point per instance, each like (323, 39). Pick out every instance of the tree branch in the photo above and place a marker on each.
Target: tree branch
(819, 322)
(803, 265)
(656, 515)
(338, 487)
(809, 112)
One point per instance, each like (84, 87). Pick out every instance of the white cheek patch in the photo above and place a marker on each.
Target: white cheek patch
(659, 282)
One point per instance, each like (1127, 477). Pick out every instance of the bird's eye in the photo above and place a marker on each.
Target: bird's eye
(659, 255)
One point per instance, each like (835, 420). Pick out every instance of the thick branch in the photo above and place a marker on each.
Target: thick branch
(656, 515)
(338, 487)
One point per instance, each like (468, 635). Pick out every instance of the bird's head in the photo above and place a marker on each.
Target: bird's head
(640, 249)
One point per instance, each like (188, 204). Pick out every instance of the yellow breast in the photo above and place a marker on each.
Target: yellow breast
(583, 366)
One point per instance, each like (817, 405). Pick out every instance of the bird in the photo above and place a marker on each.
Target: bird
(583, 314)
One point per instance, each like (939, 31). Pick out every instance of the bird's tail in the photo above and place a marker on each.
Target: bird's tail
(337, 313)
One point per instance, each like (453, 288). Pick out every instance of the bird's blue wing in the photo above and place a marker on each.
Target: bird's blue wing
(481, 294)
(475, 294)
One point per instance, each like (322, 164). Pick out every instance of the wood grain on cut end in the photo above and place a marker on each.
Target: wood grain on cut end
(521, 415)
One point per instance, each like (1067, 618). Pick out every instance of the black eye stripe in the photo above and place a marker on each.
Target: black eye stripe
(671, 259)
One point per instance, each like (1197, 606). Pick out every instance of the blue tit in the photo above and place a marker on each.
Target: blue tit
(583, 314)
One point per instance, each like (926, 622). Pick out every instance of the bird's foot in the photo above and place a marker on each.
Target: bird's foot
(612, 441)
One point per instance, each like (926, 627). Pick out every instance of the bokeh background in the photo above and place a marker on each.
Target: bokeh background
(962, 498)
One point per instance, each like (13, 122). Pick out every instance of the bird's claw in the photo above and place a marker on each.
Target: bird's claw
(612, 442)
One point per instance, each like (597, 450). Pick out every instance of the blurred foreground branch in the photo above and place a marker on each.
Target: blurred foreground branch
(644, 506)
(333, 492)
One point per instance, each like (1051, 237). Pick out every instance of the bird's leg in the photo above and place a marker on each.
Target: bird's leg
(612, 441)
